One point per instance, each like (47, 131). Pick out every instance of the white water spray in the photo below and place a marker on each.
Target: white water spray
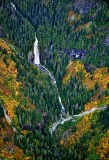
(44, 69)
(36, 52)
(6, 115)
(62, 121)
(8, 118)
(61, 103)
(13, 6)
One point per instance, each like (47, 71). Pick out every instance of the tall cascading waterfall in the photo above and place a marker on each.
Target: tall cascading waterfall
(36, 52)
(44, 69)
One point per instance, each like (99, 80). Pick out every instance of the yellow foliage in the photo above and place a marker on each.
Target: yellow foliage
(9, 91)
(100, 76)
(99, 102)
(6, 148)
(103, 147)
(61, 142)
(5, 46)
(23, 132)
(86, 26)
(73, 16)
(9, 87)
(8, 84)
(82, 127)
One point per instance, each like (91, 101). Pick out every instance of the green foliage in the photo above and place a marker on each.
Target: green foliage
(1, 111)
(50, 22)
(76, 96)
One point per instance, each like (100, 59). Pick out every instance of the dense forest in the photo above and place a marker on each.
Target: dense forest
(74, 45)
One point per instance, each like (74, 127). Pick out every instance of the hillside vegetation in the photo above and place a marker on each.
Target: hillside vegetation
(28, 115)
(73, 41)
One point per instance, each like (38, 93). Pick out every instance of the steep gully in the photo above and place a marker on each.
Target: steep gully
(41, 67)
(37, 63)
(61, 120)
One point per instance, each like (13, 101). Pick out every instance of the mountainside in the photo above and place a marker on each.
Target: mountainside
(24, 92)
(58, 107)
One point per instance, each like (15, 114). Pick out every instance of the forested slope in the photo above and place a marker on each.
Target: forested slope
(27, 95)
(74, 45)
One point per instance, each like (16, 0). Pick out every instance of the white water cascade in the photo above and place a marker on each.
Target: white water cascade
(36, 52)
(13, 6)
(44, 69)
(6, 115)
(8, 118)
(73, 118)
(61, 103)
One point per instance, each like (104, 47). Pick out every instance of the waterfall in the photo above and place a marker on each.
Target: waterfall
(41, 67)
(61, 103)
(13, 6)
(36, 52)
(44, 69)
(8, 118)
(6, 115)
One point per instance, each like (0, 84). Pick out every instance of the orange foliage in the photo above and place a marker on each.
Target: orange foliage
(70, 72)
(23, 132)
(8, 84)
(103, 147)
(9, 87)
(99, 102)
(7, 149)
(70, 13)
(72, 69)
(62, 142)
(100, 76)
(86, 26)
(82, 127)
(72, 16)
(5, 46)
(9, 91)
(12, 152)
(88, 36)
